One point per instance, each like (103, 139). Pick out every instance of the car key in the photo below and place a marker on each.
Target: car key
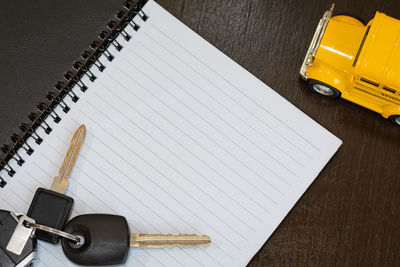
(105, 240)
(52, 207)
(17, 245)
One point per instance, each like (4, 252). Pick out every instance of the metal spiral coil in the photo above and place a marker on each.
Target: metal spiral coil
(7, 150)
(19, 141)
(51, 96)
(33, 117)
(65, 89)
(4, 164)
(27, 130)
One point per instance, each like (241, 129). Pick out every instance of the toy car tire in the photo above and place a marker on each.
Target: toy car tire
(323, 88)
(395, 119)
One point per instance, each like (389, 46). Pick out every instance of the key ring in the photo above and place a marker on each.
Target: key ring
(54, 231)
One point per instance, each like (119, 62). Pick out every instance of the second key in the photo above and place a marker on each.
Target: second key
(105, 240)
(52, 207)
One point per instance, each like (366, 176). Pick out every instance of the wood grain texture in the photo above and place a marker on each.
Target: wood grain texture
(349, 216)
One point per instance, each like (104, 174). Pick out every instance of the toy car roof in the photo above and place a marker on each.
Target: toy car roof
(379, 57)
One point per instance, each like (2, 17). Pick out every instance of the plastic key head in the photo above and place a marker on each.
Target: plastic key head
(52, 209)
(104, 240)
(8, 226)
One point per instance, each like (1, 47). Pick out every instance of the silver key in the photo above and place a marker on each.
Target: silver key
(21, 234)
(8, 223)
(26, 228)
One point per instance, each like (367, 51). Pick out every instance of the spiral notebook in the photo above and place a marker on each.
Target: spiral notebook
(180, 139)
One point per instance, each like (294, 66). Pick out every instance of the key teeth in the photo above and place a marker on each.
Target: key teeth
(169, 240)
(60, 183)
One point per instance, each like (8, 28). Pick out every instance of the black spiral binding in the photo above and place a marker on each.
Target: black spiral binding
(72, 78)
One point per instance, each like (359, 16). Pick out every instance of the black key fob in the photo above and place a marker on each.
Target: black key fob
(51, 209)
(105, 240)
(7, 258)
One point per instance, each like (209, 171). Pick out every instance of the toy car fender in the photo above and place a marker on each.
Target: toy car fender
(390, 110)
(357, 62)
(329, 75)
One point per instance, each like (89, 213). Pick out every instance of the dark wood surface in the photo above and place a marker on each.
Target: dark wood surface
(349, 216)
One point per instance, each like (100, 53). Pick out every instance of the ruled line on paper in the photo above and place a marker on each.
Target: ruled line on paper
(234, 86)
(210, 152)
(255, 202)
(182, 160)
(197, 188)
(60, 261)
(63, 141)
(74, 196)
(211, 139)
(42, 262)
(222, 250)
(130, 193)
(199, 218)
(77, 199)
(47, 174)
(191, 109)
(216, 171)
(171, 121)
(224, 93)
(216, 100)
(10, 206)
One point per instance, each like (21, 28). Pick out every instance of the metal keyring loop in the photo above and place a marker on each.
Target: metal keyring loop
(54, 231)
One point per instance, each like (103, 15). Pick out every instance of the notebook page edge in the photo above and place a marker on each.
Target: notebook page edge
(209, 47)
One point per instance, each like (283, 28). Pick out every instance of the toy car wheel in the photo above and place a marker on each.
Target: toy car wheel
(323, 88)
(395, 119)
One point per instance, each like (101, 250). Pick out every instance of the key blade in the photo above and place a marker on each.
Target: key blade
(60, 182)
(159, 241)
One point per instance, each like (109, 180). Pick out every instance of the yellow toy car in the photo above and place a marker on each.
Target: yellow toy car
(360, 63)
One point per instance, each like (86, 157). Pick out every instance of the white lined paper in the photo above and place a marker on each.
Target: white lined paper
(181, 139)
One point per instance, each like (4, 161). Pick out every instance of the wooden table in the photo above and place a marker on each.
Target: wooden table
(349, 216)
